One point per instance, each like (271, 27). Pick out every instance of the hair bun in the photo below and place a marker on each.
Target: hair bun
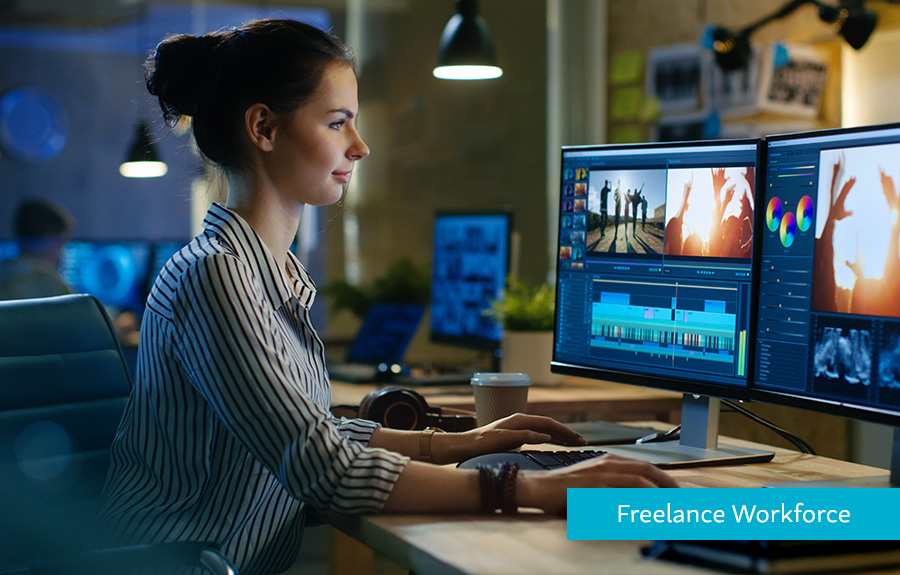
(179, 71)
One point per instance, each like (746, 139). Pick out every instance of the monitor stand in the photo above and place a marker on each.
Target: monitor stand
(880, 481)
(698, 445)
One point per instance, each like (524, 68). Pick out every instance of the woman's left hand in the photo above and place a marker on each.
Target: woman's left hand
(501, 435)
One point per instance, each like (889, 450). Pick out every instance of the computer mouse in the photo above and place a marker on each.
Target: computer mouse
(493, 459)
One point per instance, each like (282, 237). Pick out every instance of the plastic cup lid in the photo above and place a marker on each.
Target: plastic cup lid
(501, 379)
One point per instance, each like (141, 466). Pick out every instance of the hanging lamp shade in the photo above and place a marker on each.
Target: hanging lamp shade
(854, 23)
(142, 160)
(466, 50)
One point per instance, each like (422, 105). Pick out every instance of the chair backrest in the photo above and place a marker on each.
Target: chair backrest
(63, 387)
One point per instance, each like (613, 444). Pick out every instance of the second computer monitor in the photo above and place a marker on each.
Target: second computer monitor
(654, 276)
(829, 310)
(470, 262)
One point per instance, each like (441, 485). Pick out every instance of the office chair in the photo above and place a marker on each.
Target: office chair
(63, 387)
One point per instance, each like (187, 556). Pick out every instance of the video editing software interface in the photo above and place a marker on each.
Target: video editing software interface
(829, 313)
(470, 262)
(655, 263)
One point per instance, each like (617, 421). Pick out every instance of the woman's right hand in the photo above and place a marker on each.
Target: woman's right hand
(547, 489)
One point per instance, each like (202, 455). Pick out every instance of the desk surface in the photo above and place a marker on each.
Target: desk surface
(575, 399)
(536, 544)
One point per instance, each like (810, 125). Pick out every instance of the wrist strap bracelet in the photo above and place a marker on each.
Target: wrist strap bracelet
(498, 488)
(425, 442)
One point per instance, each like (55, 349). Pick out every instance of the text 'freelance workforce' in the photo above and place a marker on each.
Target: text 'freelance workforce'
(738, 513)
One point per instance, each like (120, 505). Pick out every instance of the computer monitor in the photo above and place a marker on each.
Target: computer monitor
(9, 249)
(470, 262)
(828, 335)
(115, 272)
(655, 279)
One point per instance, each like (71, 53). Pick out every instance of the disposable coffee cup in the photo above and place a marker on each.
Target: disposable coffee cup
(499, 394)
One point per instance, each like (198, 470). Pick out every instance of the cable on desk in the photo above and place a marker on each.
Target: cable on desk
(798, 442)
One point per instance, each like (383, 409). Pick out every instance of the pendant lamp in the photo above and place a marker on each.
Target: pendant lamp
(466, 50)
(142, 160)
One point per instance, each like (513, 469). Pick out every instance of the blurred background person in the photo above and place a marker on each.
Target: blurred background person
(41, 228)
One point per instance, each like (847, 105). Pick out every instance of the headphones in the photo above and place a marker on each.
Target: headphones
(397, 407)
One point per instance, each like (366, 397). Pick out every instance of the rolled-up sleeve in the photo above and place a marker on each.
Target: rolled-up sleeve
(253, 372)
(356, 429)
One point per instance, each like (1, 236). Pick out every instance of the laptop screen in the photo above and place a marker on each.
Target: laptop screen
(385, 333)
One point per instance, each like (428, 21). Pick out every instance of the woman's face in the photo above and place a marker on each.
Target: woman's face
(317, 146)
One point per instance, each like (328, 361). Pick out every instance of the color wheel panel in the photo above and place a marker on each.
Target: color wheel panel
(804, 213)
(788, 229)
(773, 214)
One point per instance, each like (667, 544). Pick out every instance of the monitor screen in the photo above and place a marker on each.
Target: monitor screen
(655, 279)
(385, 333)
(829, 313)
(470, 262)
(115, 272)
(9, 249)
(654, 274)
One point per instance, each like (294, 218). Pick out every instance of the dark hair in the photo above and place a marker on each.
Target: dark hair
(214, 78)
(37, 218)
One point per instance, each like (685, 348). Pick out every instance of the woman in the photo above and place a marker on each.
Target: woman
(227, 435)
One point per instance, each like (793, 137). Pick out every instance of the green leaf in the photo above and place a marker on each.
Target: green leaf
(525, 307)
(404, 282)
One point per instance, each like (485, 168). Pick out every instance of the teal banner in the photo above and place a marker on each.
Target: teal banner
(697, 514)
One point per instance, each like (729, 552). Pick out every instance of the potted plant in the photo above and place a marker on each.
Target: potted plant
(526, 313)
(404, 282)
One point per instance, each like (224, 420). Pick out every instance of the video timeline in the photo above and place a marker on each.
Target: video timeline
(668, 325)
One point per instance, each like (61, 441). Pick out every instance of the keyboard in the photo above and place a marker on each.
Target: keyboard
(533, 460)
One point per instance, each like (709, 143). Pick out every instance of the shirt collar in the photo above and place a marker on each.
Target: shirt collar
(250, 248)
(304, 286)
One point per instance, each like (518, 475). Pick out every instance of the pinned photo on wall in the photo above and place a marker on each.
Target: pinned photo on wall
(674, 76)
(792, 80)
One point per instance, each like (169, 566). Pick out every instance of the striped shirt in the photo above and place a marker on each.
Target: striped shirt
(227, 435)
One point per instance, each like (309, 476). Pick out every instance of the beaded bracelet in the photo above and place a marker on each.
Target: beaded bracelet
(508, 504)
(498, 488)
(486, 483)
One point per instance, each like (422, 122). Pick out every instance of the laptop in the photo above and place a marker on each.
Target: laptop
(380, 344)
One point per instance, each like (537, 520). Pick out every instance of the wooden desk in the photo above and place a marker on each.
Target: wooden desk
(575, 400)
(536, 544)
